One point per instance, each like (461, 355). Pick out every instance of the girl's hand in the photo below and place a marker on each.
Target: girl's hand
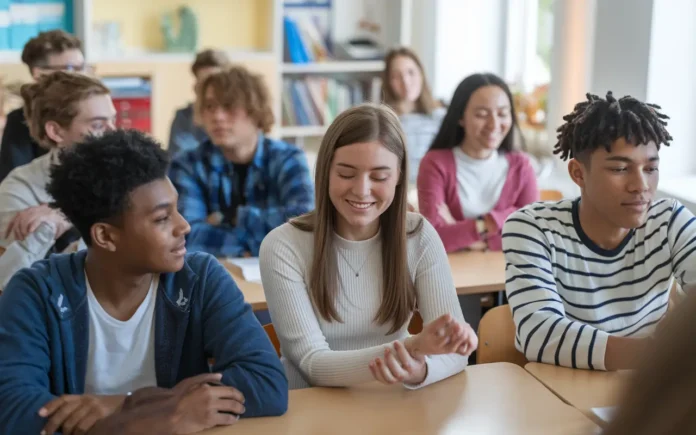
(442, 336)
(445, 214)
(491, 226)
(399, 366)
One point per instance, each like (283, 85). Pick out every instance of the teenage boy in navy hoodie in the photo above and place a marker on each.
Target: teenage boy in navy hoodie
(80, 332)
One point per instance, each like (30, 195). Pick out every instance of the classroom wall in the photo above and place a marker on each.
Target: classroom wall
(642, 48)
(671, 81)
(469, 37)
(423, 31)
(240, 24)
(572, 58)
(622, 47)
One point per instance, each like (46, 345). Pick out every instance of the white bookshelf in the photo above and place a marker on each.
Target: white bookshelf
(10, 56)
(330, 67)
(394, 18)
(300, 131)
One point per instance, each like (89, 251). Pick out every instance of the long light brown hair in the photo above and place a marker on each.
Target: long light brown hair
(660, 398)
(425, 103)
(363, 123)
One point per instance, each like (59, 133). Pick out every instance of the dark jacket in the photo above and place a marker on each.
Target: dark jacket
(17, 146)
(200, 313)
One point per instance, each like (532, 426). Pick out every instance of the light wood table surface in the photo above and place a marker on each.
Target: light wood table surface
(485, 399)
(477, 272)
(583, 389)
(473, 273)
(252, 291)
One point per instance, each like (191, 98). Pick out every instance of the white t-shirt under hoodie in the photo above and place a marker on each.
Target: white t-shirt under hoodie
(337, 354)
(121, 355)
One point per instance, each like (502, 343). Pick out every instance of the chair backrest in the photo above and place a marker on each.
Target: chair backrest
(497, 338)
(676, 295)
(270, 330)
(550, 195)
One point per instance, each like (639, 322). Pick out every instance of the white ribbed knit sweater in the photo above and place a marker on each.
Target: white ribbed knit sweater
(320, 353)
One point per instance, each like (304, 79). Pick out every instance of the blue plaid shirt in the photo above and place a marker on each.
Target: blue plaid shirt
(278, 187)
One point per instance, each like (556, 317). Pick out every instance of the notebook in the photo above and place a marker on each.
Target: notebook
(249, 268)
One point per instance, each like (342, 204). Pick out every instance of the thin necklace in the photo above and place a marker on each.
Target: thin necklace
(356, 272)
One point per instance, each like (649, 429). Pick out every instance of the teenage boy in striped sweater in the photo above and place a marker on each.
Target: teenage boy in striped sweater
(589, 279)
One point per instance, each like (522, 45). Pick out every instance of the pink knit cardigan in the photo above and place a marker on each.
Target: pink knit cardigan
(437, 184)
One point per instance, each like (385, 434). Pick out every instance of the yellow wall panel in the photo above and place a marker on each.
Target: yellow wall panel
(226, 24)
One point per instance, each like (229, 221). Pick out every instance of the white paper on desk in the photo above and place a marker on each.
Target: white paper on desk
(249, 267)
(605, 413)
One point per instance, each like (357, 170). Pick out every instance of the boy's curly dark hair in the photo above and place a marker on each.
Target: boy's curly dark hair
(599, 122)
(94, 178)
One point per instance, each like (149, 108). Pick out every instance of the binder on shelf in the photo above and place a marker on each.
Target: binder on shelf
(316, 101)
(132, 97)
(306, 27)
(296, 49)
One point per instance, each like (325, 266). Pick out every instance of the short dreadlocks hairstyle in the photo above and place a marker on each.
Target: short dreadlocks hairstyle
(599, 122)
(94, 179)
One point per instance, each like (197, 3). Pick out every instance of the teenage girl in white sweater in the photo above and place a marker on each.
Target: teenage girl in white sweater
(343, 281)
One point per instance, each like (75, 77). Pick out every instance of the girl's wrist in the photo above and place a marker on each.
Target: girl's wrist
(411, 345)
(422, 375)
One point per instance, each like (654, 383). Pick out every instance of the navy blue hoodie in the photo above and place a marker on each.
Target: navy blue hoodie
(199, 313)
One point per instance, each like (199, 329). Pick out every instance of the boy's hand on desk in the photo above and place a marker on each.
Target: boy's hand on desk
(76, 414)
(399, 366)
(202, 403)
(442, 336)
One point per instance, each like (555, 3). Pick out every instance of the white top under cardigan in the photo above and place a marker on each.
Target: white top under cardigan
(479, 181)
(320, 353)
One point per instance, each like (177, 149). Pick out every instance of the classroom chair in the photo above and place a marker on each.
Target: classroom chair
(676, 295)
(550, 195)
(497, 338)
(270, 330)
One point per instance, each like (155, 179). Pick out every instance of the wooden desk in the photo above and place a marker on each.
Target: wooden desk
(473, 273)
(252, 291)
(477, 272)
(583, 389)
(486, 399)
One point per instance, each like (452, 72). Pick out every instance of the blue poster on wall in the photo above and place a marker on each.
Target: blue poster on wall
(21, 20)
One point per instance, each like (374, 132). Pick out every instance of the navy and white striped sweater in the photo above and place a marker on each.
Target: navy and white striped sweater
(567, 295)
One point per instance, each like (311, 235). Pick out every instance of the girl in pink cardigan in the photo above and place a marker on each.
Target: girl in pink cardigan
(471, 179)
